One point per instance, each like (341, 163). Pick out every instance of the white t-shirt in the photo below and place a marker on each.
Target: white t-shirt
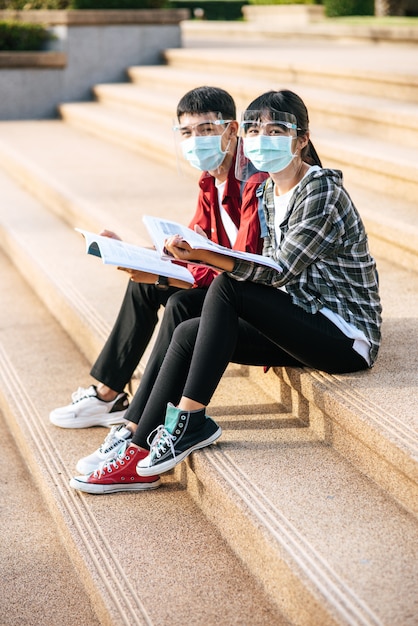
(361, 344)
(230, 228)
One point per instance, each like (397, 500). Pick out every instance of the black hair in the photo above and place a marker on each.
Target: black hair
(207, 100)
(287, 101)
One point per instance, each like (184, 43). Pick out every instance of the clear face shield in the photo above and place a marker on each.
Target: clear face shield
(267, 143)
(200, 140)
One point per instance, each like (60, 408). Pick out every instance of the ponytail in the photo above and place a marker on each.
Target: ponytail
(310, 155)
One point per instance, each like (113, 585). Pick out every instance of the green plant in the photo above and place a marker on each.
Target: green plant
(339, 8)
(117, 4)
(22, 36)
(225, 10)
(27, 5)
(284, 1)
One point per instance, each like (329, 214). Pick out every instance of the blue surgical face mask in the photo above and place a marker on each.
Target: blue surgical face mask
(269, 154)
(204, 153)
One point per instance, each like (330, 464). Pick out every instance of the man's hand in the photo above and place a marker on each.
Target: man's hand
(140, 277)
(110, 234)
(147, 278)
(197, 229)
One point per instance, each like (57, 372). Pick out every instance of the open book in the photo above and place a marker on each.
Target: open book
(160, 230)
(121, 254)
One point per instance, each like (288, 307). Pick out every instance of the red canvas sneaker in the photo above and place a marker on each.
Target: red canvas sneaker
(117, 475)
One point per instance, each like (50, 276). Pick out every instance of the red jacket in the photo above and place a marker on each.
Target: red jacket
(241, 204)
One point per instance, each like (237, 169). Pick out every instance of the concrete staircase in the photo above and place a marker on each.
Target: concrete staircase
(305, 512)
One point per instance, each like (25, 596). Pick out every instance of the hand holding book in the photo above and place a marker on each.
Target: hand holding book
(124, 255)
(161, 230)
(177, 247)
(175, 244)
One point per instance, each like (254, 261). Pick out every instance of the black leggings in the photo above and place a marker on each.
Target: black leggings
(247, 323)
(180, 306)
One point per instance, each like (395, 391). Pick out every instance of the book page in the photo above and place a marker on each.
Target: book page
(119, 253)
(160, 230)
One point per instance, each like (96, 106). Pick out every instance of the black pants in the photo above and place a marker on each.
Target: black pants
(133, 329)
(246, 323)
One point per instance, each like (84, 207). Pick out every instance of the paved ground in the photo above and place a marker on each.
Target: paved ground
(34, 566)
(24, 557)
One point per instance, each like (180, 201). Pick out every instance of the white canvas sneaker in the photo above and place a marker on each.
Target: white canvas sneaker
(116, 441)
(117, 475)
(87, 409)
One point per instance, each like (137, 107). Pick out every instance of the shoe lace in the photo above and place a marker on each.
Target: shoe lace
(80, 394)
(110, 439)
(109, 466)
(160, 441)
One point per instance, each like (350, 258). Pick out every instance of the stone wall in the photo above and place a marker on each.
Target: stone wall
(89, 47)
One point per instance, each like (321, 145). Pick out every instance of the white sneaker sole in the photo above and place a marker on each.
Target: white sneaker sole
(102, 489)
(109, 419)
(165, 466)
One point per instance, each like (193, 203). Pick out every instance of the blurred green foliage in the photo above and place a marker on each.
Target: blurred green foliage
(26, 5)
(22, 36)
(340, 8)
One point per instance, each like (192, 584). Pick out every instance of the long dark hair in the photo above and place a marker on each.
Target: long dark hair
(286, 101)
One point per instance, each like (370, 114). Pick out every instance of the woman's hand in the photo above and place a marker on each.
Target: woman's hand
(180, 249)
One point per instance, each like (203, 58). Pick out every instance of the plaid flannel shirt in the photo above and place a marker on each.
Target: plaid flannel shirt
(322, 254)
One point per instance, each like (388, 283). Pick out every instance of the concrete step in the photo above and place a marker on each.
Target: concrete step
(392, 226)
(383, 71)
(293, 550)
(106, 187)
(269, 29)
(374, 164)
(128, 551)
(358, 420)
(372, 154)
(289, 487)
(52, 256)
(103, 181)
(273, 509)
(365, 115)
(151, 104)
(133, 130)
(28, 152)
(33, 553)
(86, 312)
(308, 503)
